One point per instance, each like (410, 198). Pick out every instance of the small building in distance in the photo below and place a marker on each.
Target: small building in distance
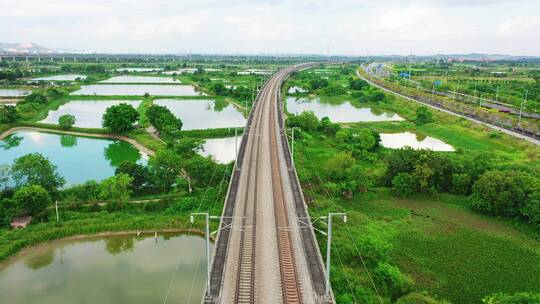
(21, 222)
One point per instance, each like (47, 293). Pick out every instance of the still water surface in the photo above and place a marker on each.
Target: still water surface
(415, 141)
(204, 114)
(14, 92)
(137, 90)
(78, 159)
(67, 77)
(140, 79)
(221, 149)
(88, 113)
(110, 269)
(338, 112)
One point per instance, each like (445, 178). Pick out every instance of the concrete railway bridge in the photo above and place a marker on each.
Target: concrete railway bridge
(266, 251)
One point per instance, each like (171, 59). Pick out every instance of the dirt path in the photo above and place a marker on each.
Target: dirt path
(132, 141)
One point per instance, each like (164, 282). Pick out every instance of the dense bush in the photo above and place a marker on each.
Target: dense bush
(163, 120)
(423, 116)
(8, 114)
(508, 193)
(419, 298)
(138, 172)
(36, 97)
(357, 84)
(518, 298)
(403, 184)
(307, 121)
(390, 279)
(120, 118)
(31, 200)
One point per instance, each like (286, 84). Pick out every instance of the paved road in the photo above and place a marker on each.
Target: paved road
(515, 134)
(265, 259)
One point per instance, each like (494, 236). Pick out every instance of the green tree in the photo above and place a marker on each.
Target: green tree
(164, 169)
(403, 184)
(31, 200)
(357, 84)
(423, 116)
(502, 192)
(116, 188)
(35, 169)
(461, 183)
(307, 121)
(35, 97)
(120, 118)
(220, 89)
(66, 121)
(8, 114)
(163, 120)
(137, 171)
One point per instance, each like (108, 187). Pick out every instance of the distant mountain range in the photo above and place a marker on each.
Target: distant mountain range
(24, 48)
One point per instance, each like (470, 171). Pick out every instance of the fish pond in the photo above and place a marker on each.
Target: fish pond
(137, 90)
(108, 270)
(342, 111)
(140, 79)
(14, 92)
(204, 114)
(78, 159)
(415, 141)
(66, 77)
(88, 113)
(221, 149)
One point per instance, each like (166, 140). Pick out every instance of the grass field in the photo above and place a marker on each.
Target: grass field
(446, 248)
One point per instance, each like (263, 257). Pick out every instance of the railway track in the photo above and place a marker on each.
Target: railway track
(290, 285)
(245, 278)
(261, 254)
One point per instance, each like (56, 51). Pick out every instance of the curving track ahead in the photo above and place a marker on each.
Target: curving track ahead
(263, 253)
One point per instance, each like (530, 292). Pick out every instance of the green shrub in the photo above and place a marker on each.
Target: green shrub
(502, 192)
(518, 298)
(419, 298)
(403, 184)
(423, 116)
(31, 200)
(390, 279)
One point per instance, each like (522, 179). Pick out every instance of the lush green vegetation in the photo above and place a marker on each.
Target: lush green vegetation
(414, 215)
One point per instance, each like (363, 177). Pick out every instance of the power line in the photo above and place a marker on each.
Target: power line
(189, 231)
(347, 226)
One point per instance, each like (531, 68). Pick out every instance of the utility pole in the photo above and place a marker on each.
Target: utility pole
(497, 94)
(236, 144)
(207, 236)
(56, 207)
(521, 107)
(329, 246)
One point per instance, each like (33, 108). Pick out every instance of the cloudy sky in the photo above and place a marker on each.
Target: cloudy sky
(347, 27)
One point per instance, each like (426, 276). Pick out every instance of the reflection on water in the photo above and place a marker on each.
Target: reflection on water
(221, 149)
(78, 159)
(88, 113)
(112, 269)
(137, 90)
(400, 140)
(68, 141)
(204, 114)
(341, 112)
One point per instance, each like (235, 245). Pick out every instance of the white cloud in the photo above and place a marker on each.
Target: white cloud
(282, 26)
